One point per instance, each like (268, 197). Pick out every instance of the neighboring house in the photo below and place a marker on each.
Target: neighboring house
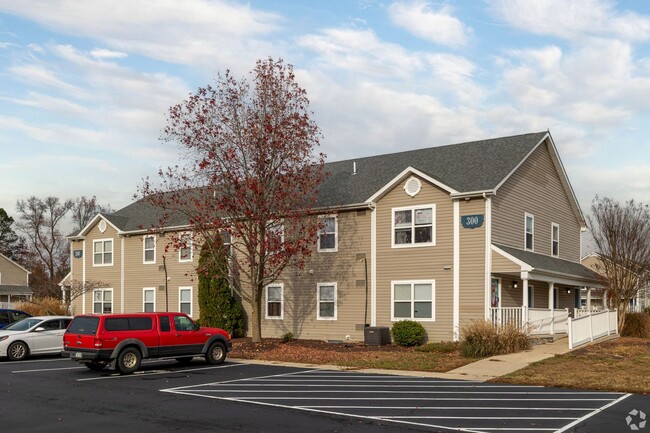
(14, 283)
(444, 235)
(597, 298)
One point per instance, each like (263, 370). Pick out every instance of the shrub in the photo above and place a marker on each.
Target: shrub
(482, 338)
(47, 306)
(442, 347)
(636, 325)
(287, 337)
(408, 333)
(646, 310)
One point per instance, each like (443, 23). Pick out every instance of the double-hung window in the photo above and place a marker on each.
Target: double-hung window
(103, 252)
(149, 299)
(185, 251)
(414, 226)
(149, 249)
(275, 236)
(102, 301)
(555, 240)
(413, 300)
(185, 300)
(327, 235)
(274, 301)
(326, 298)
(529, 240)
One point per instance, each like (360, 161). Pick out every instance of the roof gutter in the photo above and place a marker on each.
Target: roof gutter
(472, 194)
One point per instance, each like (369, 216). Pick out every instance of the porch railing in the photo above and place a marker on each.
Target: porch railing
(588, 328)
(507, 316)
(534, 320)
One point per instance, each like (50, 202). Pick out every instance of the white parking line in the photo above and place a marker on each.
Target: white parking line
(578, 421)
(45, 369)
(154, 373)
(27, 361)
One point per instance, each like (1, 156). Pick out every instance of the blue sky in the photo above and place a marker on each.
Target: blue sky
(85, 85)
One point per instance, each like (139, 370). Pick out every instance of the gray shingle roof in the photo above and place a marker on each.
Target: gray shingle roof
(542, 262)
(7, 289)
(465, 167)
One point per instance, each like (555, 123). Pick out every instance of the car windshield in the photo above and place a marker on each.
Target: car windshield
(23, 325)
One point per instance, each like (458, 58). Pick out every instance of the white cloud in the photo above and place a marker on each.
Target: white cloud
(573, 19)
(102, 53)
(422, 20)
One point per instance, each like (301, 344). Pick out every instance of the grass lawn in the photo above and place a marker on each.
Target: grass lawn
(622, 365)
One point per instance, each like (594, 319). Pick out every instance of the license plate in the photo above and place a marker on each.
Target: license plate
(77, 355)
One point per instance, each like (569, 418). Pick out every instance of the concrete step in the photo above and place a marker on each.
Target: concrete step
(536, 339)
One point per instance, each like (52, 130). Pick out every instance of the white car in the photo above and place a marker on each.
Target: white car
(38, 335)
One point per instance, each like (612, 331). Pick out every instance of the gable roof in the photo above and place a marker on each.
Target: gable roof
(458, 168)
(14, 263)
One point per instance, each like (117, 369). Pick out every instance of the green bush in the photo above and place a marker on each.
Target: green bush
(482, 338)
(408, 333)
(287, 337)
(646, 310)
(636, 325)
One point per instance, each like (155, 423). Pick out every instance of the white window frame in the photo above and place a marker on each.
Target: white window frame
(266, 303)
(102, 290)
(413, 244)
(555, 241)
(318, 301)
(144, 298)
(191, 247)
(181, 289)
(413, 283)
(145, 249)
(336, 235)
(102, 241)
(532, 232)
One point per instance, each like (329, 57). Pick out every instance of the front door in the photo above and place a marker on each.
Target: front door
(495, 293)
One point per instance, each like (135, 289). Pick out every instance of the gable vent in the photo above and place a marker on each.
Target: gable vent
(413, 186)
(102, 226)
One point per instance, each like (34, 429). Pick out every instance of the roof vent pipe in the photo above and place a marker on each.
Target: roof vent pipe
(354, 168)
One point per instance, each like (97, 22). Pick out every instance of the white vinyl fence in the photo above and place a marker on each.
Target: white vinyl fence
(591, 327)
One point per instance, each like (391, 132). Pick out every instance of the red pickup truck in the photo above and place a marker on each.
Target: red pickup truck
(123, 340)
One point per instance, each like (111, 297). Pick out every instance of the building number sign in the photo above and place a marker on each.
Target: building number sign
(472, 221)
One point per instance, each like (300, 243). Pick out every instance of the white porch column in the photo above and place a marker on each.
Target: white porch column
(589, 298)
(524, 302)
(551, 291)
(605, 301)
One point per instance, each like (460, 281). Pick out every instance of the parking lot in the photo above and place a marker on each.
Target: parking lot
(165, 396)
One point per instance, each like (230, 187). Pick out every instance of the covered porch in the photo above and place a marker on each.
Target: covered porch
(534, 291)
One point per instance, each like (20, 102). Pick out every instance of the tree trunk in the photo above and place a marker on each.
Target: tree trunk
(256, 317)
(622, 312)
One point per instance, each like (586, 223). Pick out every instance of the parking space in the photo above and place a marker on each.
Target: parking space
(423, 402)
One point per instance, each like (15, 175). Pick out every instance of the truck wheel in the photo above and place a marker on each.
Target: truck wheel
(216, 353)
(17, 351)
(128, 360)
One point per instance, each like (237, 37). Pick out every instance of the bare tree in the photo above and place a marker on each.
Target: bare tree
(622, 238)
(251, 174)
(75, 289)
(84, 210)
(40, 221)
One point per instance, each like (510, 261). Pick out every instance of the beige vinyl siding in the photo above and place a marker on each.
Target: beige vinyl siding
(342, 267)
(12, 274)
(417, 263)
(511, 297)
(502, 265)
(536, 188)
(472, 264)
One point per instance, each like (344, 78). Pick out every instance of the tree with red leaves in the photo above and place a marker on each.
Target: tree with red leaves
(250, 176)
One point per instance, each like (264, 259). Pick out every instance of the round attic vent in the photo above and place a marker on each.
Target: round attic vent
(413, 186)
(102, 226)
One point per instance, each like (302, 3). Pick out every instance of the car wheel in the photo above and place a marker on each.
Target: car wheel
(95, 366)
(128, 360)
(17, 351)
(216, 353)
(185, 360)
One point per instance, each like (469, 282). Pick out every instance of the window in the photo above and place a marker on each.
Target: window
(149, 299)
(327, 235)
(413, 300)
(185, 253)
(555, 240)
(326, 298)
(149, 249)
(103, 252)
(530, 228)
(102, 301)
(274, 300)
(182, 323)
(274, 236)
(414, 226)
(185, 300)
